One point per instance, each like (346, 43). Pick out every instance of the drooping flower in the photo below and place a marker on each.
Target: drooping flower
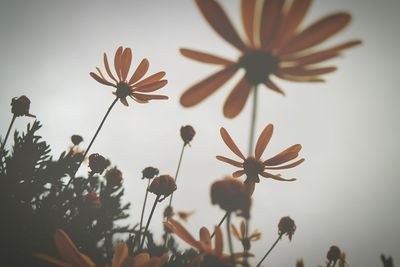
(276, 45)
(20, 106)
(163, 185)
(286, 226)
(136, 87)
(253, 166)
(241, 235)
(187, 134)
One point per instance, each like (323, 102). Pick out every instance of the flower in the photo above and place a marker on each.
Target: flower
(253, 166)
(71, 256)
(114, 177)
(20, 106)
(149, 172)
(187, 134)
(286, 226)
(76, 139)
(93, 201)
(275, 45)
(183, 215)
(136, 87)
(162, 185)
(97, 163)
(231, 195)
(241, 236)
(333, 255)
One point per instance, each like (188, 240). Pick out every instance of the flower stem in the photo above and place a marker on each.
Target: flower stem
(253, 122)
(269, 251)
(228, 224)
(91, 142)
(177, 172)
(148, 221)
(144, 207)
(220, 223)
(7, 134)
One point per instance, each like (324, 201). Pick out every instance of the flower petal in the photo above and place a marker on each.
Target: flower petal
(263, 140)
(126, 59)
(218, 20)
(248, 8)
(151, 79)
(314, 58)
(107, 66)
(297, 78)
(235, 232)
(284, 156)
(301, 71)
(141, 259)
(206, 87)
(205, 237)
(271, 85)
(242, 228)
(276, 177)
(237, 98)
(271, 12)
(229, 142)
(230, 161)
(237, 174)
(120, 254)
(288, 166)
(205, 57)
(317, 33)
(117, 62)
(140, 71)
(144, 97)
(219, 243)
(124, 101)
(182, 233)
(151, 87)
(100, 80)
(51, 260)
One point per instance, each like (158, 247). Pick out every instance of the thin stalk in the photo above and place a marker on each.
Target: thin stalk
(177, 171)
(148, 221)
(228, 224)
(144, 207)
(253, 122)
(220, 223)
(7, 134)
(269, 251)
(91, 142)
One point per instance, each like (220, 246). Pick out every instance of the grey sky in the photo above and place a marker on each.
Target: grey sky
(347, 190)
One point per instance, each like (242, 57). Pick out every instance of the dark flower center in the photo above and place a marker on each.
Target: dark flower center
(253, 167)
(258, 65)
(123, 90)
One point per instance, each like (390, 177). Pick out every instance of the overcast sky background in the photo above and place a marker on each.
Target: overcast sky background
(347, 189)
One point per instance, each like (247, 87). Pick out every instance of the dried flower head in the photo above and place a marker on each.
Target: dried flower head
(92, 200)
(187, 134)
(163, 185)
(136, 87)
(20, 106)
(333, 254)
(97, 163)
(286, 226)
(253, 166)
(275, 46)
(149, 172)
(114, 177)
(241, 235)
(231, 195)
(76, 139)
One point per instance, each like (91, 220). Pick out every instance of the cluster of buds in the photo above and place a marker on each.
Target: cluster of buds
(163, 185)
(98, 163)
(20, 106)
(286, 226)
(187, 134)
(231, 195)
(92, 200)
(114, 177)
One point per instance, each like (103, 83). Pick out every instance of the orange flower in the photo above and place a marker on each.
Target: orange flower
(241, 236)
(253, 166)
(275, 45)
(136, 87)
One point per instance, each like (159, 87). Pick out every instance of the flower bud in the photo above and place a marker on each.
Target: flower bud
(168, 212)
(163, 185)
(286, 226)
(97, 163)
(76, 139)
(150, 172)
(20, 106)
(187, 134)
(333, 254)
(114, 177)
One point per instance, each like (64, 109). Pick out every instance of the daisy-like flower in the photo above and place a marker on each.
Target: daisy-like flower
(136, 87)
(276, 45)
(72, 257)
(253, 166)
(241, 235)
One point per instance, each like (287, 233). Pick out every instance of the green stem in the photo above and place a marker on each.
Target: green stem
(253, 122)
(228, 224)
(91, 142)
(148, 221)
(220, 223)
(144, 207)
(269, 251)
(7, 134)
(177, 171)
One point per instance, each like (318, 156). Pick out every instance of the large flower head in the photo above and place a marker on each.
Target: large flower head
(135, 87)
(254, 166)
(275, 45)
